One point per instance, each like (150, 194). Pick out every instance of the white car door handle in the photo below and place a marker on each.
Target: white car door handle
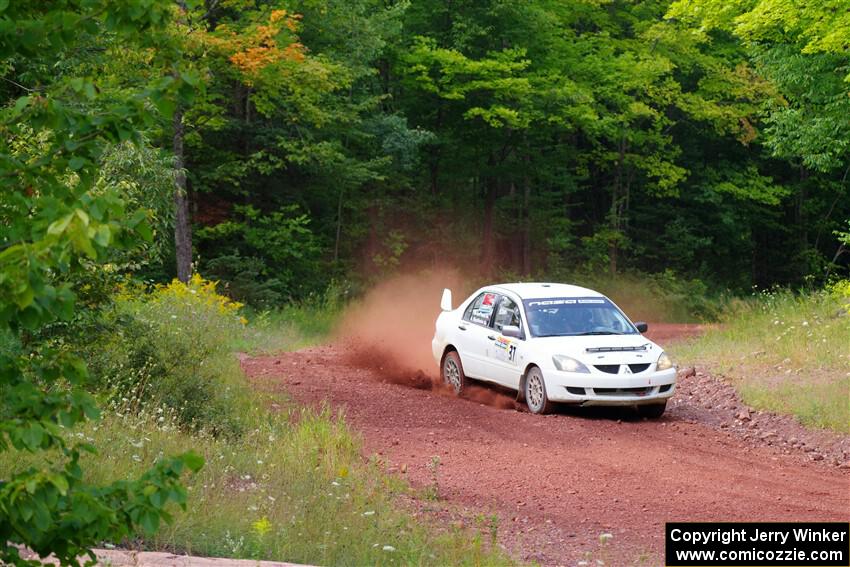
(491, 337)
(461, 327)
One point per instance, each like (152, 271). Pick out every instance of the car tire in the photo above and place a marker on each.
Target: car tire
(452, 372)
(534, 389)
(652, 411)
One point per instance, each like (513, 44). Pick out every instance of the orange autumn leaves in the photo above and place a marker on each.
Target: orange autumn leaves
(259, 46)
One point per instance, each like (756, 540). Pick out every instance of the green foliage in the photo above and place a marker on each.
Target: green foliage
(520, 138)
(291, 484)
(802, 48)
(294, 488)
(144, 178)
(331, 139)
(56, 126)
(279, 249)
(170, 350)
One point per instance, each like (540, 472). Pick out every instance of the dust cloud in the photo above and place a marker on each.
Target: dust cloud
(389, 331)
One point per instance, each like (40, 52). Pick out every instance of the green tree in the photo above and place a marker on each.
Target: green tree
(58, 214)
(803, 48)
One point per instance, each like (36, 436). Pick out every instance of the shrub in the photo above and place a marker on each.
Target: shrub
(840, 291)
(278, 247)
(171, 347)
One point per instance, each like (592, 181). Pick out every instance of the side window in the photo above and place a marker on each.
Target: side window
(480, 310)
(507, 314)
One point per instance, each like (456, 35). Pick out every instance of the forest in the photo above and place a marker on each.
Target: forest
(320, 141)
(205, 155)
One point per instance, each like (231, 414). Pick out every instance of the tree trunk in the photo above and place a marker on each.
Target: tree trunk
(526, 220)
(338, 225)
(182, 227)
(617, 205)
(488, 237)
(515, 244)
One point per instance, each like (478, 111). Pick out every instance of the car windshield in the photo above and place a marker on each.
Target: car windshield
(576, 316)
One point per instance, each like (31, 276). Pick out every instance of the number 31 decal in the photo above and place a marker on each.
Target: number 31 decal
(512, 353)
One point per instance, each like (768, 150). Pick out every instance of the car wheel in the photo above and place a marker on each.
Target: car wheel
(652, 411)
(535, 392)
(452, 372)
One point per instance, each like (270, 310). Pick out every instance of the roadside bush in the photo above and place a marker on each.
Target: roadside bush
(840, 291)
(171, 348)
(245, 279)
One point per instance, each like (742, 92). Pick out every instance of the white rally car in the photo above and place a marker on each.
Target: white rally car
(552, 343)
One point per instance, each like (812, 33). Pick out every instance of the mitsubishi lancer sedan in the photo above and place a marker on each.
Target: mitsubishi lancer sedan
(552, 343)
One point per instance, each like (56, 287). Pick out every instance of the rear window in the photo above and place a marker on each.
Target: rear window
(481, 309)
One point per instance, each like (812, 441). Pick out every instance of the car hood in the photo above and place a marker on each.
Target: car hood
(602, 349)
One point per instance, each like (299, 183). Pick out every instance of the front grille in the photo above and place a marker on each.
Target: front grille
(615, 368)
(622, 391)
(575, 391)
(665, 388)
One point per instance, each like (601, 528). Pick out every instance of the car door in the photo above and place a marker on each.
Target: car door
(504, 353)
(473, 335)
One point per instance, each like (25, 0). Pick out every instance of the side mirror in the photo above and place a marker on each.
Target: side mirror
(641, 326)
(446, 301)
(511, 331)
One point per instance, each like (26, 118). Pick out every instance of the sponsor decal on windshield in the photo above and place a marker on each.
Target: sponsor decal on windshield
(583, 300)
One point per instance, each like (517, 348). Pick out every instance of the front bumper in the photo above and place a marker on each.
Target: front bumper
(599, 389)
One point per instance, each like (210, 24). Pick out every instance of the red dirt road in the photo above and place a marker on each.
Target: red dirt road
(558, 482)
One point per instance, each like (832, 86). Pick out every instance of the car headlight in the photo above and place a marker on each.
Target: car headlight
(568, 364)
(664, 362)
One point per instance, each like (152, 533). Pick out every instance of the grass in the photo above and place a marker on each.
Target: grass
(288, 485)
(293, 488)
(290, 327)
(786, 353)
